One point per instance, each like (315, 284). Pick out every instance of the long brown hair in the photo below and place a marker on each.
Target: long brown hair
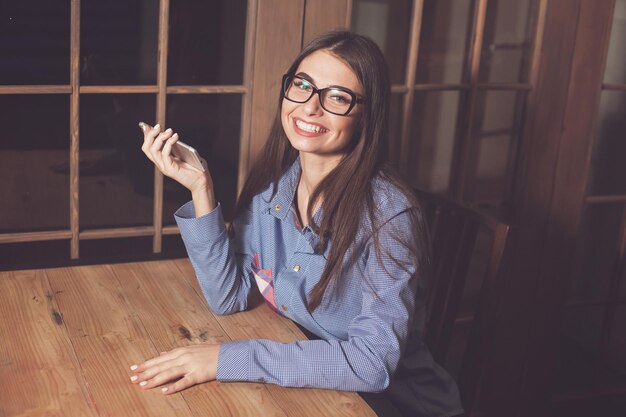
(348, 188)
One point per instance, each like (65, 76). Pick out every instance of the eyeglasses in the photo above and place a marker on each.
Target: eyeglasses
(335, 100)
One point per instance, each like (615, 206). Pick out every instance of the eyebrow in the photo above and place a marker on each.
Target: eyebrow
(310, 79)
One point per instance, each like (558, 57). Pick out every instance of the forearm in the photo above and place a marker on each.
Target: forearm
(332, 364)
(203, 201)
(220, 273)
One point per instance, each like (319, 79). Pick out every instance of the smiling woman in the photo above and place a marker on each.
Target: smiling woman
(327, 233)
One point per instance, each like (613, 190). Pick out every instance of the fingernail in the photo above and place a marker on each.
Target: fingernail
(142, 126)
(134, 378)
(157, 126)
(164, 389)
(133, 367)
(169, 130)
(143, 383)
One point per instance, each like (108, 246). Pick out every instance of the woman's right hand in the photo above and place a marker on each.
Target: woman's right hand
(157, 146)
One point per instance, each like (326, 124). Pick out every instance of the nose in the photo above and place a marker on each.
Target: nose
(313, 107)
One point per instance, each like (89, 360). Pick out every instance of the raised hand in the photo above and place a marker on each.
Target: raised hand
(157, 146)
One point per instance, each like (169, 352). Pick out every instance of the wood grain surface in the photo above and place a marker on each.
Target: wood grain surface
(69, 336)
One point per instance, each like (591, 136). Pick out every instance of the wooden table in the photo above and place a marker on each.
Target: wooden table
(68, 336)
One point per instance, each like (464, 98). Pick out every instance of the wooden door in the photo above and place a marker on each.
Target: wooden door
(560, 343)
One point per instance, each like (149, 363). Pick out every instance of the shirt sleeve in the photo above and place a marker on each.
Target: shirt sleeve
(376, 336)
(222, 270)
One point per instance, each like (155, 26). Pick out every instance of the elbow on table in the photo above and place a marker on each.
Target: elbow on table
(224, 307)
(377, 380)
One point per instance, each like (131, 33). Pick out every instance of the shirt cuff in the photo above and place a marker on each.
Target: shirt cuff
(199, 231)
(233, 362)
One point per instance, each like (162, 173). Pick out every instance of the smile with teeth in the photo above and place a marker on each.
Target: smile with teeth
(310, 128)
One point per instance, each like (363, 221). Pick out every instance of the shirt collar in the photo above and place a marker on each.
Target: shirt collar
(279, 206)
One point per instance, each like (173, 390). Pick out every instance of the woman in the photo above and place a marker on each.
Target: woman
(327, 233)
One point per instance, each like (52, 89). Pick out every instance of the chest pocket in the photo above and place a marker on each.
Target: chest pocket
(264, 279)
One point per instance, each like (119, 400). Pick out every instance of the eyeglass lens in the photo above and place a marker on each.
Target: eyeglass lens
(332, 99)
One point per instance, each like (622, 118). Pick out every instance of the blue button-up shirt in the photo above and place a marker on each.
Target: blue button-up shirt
(368, 321)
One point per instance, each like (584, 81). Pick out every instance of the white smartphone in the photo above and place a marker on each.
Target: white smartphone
(183, 152)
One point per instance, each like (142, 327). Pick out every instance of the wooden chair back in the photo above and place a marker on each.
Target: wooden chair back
(460, 238)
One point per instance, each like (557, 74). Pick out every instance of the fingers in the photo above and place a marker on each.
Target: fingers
(167, 159)
(178, 369)
(157, 147)
(148, 138)
(160, 377)
(179, 385)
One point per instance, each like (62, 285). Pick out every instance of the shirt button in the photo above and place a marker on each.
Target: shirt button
(284, 307)
(278, 207)
(296, 268)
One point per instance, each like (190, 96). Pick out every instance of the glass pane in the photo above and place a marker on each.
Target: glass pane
(44, 254)
(499, 116)
(616, 61)
(116, 250)
(444, 41)
(617, 343)
(388, 23)
(395, 128)
(116, 178)
(206, 42)
(34, 42)
(210, 123)
(34, 192)
(608, 168)
(596, 251)
(508, 40)
(119, 41)
(173, 247)
(432, 139)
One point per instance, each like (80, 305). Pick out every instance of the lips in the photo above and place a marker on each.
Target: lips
(308, 129)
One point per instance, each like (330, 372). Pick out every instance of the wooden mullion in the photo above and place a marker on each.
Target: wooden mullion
(116, 232)
(504, 86)
(516, 145)
(208, 89)
(246, 100)
(614, 87)
(171, 230)
(20, 237)
(35, 89)
(74, 126)
(539, 32)
(164, 9)
(441, 87)
(411, 68)
(599, 199)
(403, 89)
(118, 89)
(463, 139)
(349, 7)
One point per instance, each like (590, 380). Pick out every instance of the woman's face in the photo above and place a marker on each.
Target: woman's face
(309, 127)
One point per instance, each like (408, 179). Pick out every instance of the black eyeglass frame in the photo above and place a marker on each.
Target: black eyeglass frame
(319, 91)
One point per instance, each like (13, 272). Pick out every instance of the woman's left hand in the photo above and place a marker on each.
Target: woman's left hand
(187, 366)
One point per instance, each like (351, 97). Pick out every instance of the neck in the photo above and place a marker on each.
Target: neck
(314, 170)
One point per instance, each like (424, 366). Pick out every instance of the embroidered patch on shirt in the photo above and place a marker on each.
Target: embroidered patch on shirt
(265, 282)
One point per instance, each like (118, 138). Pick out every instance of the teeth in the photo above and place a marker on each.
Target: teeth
(310, 128)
